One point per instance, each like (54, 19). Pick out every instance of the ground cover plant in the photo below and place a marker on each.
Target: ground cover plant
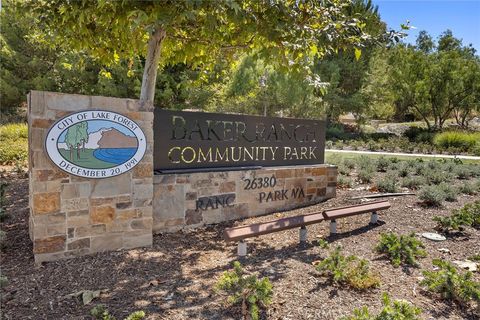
(99, 312)
(13, 144)
(349, 270)
(247, 290)
(432, 196)
(401, 249)
(392, 310)
(450, 284)
(467, 216)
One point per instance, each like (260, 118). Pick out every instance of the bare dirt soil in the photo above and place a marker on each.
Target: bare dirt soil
(174, 279)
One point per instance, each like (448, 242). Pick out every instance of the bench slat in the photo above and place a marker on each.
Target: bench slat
(242, 232)
(343, 212)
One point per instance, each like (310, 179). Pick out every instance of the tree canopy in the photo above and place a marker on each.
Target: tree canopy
(289, 32)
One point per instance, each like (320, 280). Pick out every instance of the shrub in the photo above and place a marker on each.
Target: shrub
(467, 188)
(349, 163)
(467, 216)
(463, 172)
(348, 270)
(413, 183)
(449, 191)
(387, 184)
(403, 171)
(248, 291)
(436, 176)
(398, 310)
(463, 141)
(404, 249)
(365, 175)
(432, 196)
(382, 164)
(365, 163)
(342, 169)
(13, 144)
(344, 182)
(323, 244)
(450, 284)
(101, 313)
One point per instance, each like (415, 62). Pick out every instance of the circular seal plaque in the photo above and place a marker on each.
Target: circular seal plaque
(95, 144)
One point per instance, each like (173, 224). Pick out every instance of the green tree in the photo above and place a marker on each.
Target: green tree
(438, 84)
(76, 137)
(289, 32)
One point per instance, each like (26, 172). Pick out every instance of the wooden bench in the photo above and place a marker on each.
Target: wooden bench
(258, 229)
(348, 211)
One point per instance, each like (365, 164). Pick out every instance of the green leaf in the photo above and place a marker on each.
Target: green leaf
(358, 54)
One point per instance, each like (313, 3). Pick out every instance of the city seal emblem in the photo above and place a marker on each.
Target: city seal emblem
(95, 144)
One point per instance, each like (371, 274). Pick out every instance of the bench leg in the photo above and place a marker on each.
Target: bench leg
(242, 249)
(374, 218)
(333, 227)
(303, 234)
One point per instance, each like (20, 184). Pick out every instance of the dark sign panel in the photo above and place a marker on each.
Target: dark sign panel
(194, 140)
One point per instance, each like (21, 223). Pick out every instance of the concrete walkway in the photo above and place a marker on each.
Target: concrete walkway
(398, 154)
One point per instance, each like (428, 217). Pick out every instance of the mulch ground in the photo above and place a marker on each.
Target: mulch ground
(174, 279)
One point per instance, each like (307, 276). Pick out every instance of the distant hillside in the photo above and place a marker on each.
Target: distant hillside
(115, 139)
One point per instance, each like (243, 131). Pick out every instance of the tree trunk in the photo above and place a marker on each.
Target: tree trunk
(149, 79)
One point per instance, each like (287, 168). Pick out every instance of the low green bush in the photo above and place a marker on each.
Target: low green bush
(349, 163)
(432, 196)
(247, 290)
(450, 191)
(467, 216)
(392, 310)
(348, 270)
(404, 171)
(3, 237)
(99, 312)
(365, 163)
(344, 182)
(413, 182)
(463, 141)
(450, 284)
(436, 176)
(463, 172)
(382, 164)
(467, 188)
(387, 184)
(365, 175)
(401, 249)
(13, 144)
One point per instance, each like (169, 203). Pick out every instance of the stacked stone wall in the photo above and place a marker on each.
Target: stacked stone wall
(176, 196)
(71, 215)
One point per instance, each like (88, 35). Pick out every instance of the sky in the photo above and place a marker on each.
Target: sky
(434, 16)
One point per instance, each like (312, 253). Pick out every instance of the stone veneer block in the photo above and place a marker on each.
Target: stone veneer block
(175, 195)
(71, 216)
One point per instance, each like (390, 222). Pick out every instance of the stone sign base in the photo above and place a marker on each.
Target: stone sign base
(71, 215)
(195, 199)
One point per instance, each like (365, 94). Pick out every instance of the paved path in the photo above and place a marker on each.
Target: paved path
(448, 156)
